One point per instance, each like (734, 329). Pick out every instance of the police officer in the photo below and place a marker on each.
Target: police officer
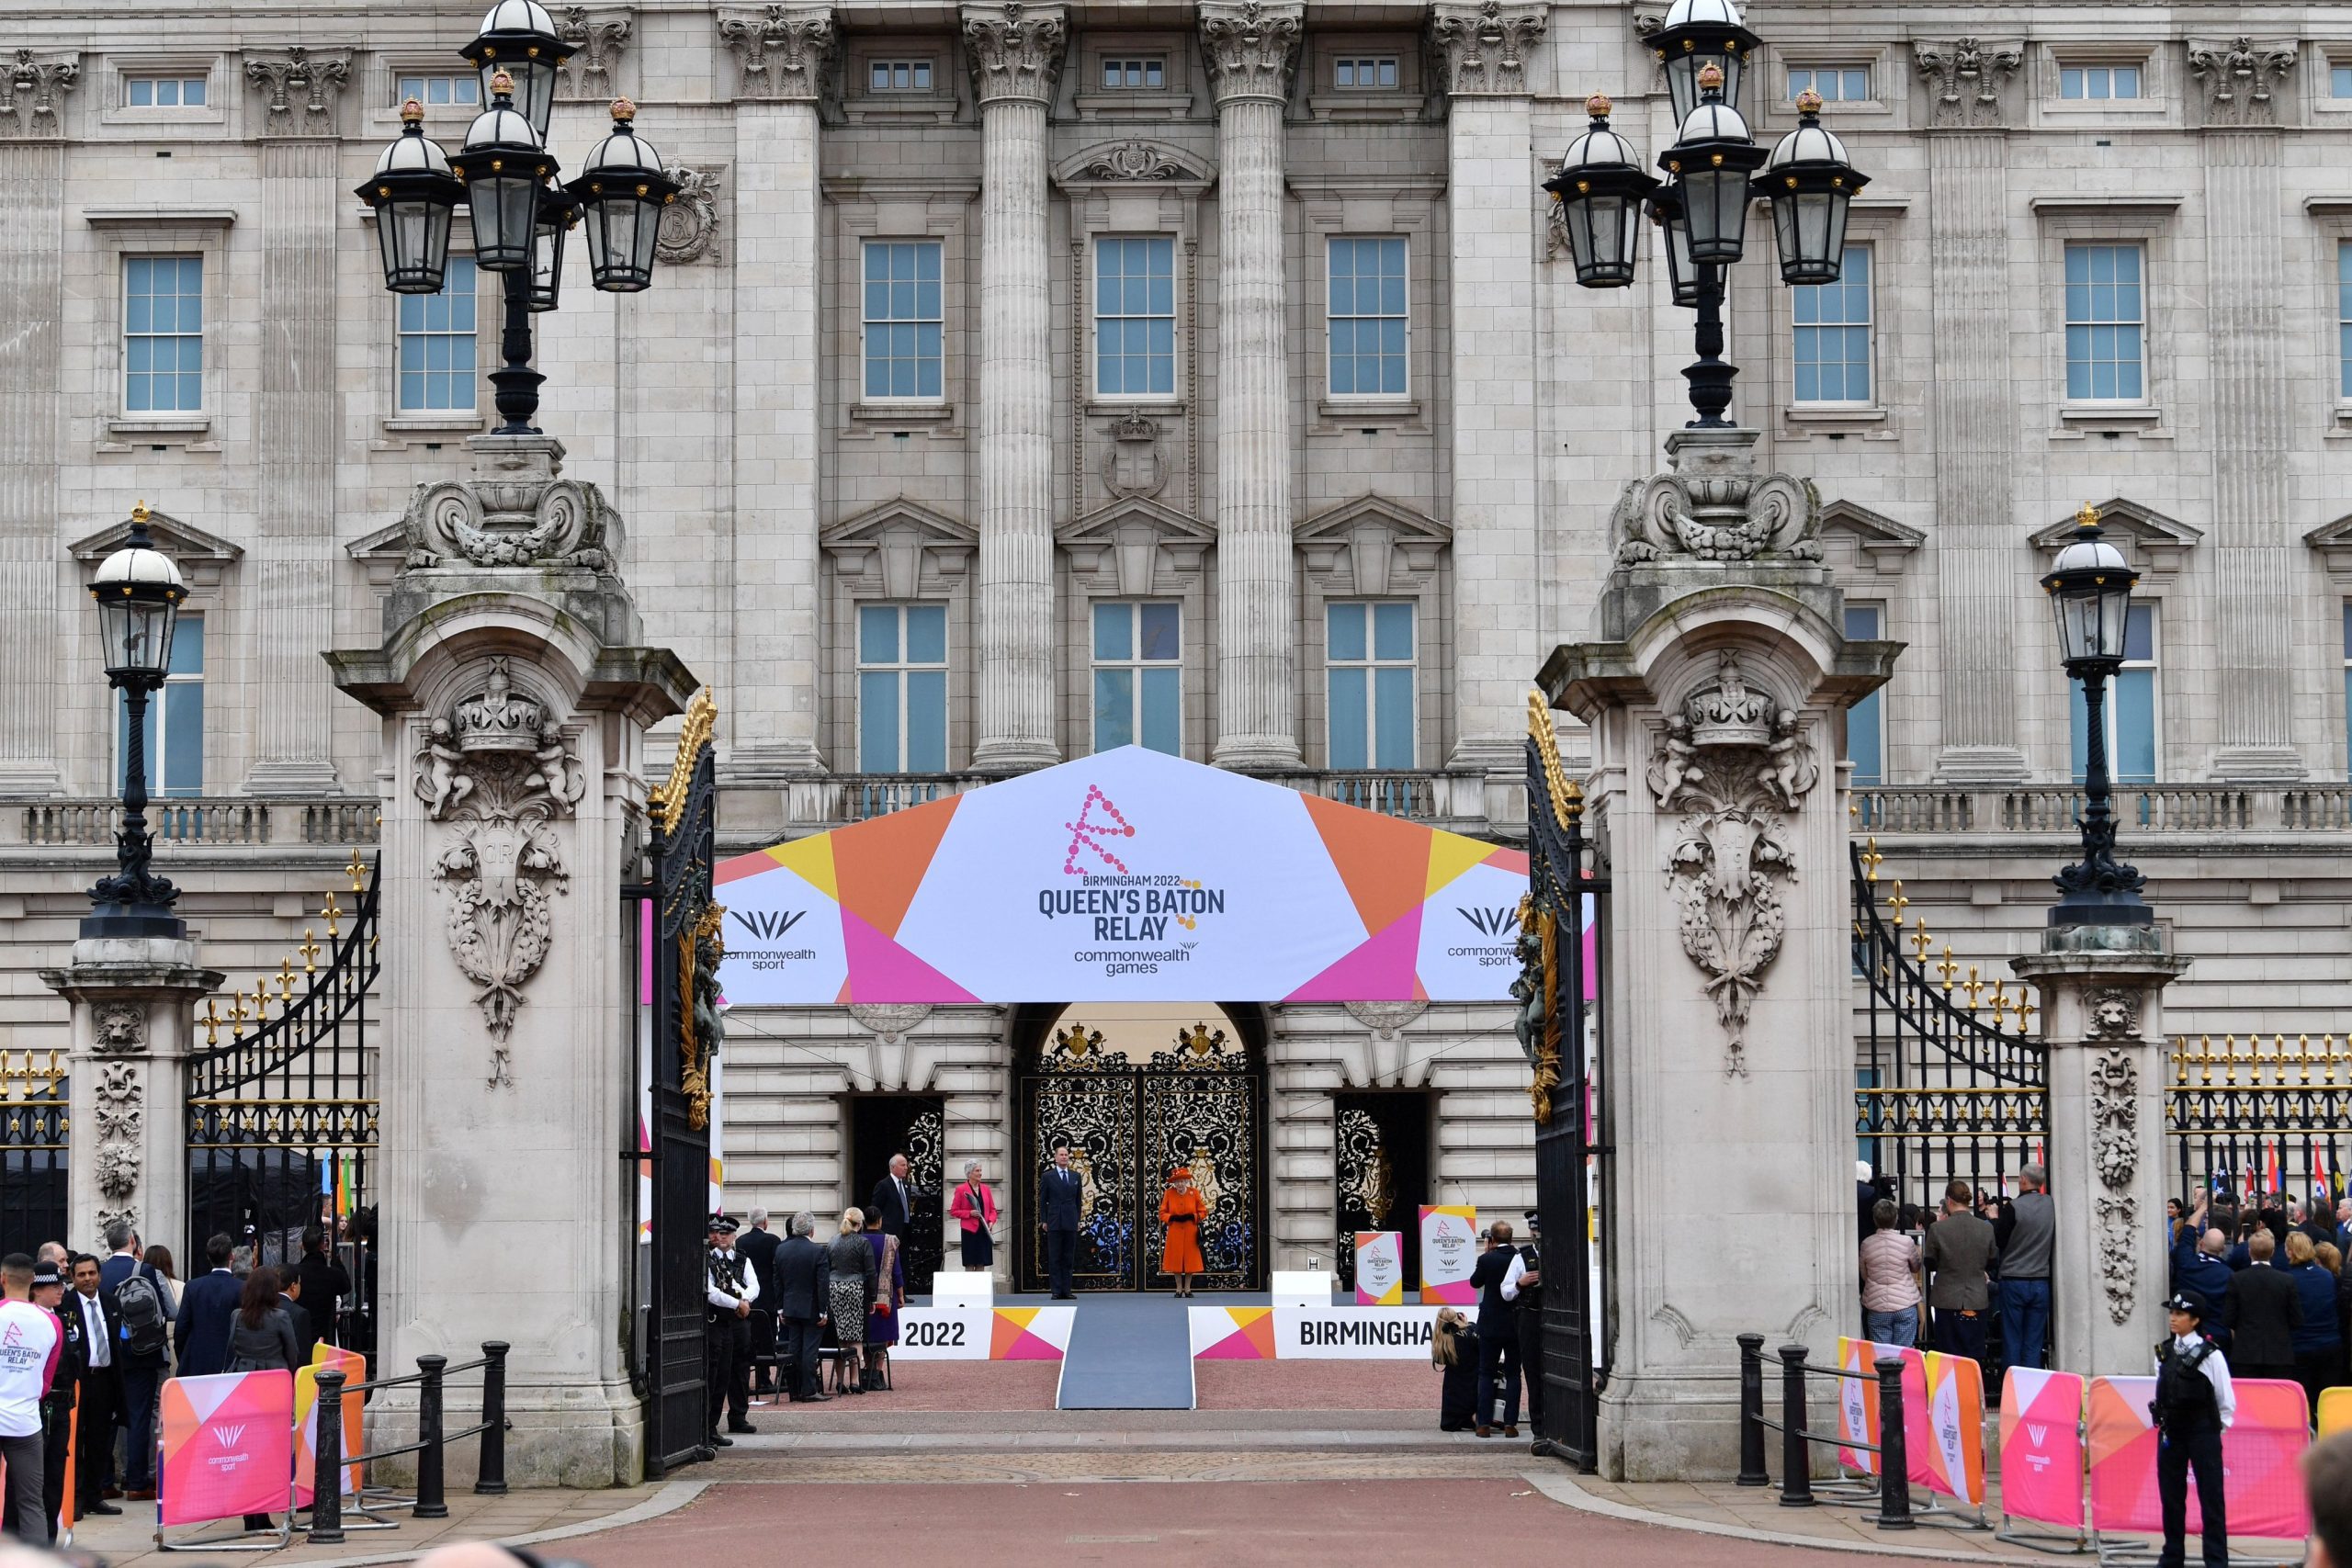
(729, 1285)
(1527, 1309)
(2193, 1406)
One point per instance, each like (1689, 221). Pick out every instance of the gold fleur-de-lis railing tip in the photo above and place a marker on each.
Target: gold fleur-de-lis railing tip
(357, 871)
(310, 951)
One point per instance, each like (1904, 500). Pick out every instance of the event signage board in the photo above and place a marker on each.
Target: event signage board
(1857, 1404)
(1353, 1334)
(228, 1446)
(1127, 875)
(1955, 1426)
(1380, 1269)
(2261, 1458)
(1001, 1334)
(353, 1368)
(1449, 1253)
(2042, 1447)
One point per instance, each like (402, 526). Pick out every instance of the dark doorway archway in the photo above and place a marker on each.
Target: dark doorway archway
(1137, 1090)
(1382, 1144)
(914, 1126)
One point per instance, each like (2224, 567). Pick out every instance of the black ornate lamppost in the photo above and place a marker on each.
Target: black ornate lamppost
(137, 592)
(1714, 169)
(2090, 589)
(505, 177)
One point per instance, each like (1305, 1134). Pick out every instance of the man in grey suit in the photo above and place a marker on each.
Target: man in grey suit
(802, 1281)
(1059, 1197)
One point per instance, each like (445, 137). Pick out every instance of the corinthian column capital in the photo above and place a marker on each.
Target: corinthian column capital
(783, 50)
(1251, 46)
(36, 87)
(1483, 47)
(1016, 48)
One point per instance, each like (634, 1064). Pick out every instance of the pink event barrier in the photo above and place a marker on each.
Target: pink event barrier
(1943, 1416)
(2261, 1454)
(228, 1446)
(2042, 1447)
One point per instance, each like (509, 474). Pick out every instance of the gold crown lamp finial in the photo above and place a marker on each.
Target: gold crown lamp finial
(139, 512)
(1710, 78)
(1808, 102)
(2087, 518)
(1598, 106)
(501, 84)
(411, 112)
(624, 111)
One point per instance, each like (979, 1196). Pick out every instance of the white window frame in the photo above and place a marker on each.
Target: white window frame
(2067, 322)
(472, 411)
(1813, 71)
(1174, 319)
(866, 323)
(2339, 75)
(1405, 246)
(2343, 321)
(113, 88)
(1355, 61)
(912, 64)
(2110, 712)
(1136, 665)
(2139, 81)
(1144, 65)
(1371, 663)
(157, 708)
(179, 81)
(203, 411)
(401, 76)
(1868, 323)
(1876, 609)
(901, 667)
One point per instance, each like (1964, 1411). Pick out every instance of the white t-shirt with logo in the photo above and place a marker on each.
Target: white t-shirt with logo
(30, 1341)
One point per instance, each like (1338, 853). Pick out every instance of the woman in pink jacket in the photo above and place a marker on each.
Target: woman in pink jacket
(975, 1207)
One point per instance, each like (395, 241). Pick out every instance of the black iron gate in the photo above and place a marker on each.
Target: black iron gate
(1562, 939)
(32, 1148)
(281, 1115)
(686, 1039)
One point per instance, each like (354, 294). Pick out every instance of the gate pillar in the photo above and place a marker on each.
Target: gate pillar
(2102, 1024)
(1715, 689)
(133, 1001)
(514, 695)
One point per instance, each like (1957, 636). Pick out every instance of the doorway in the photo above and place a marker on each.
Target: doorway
(1381, 1145)
(914, 1126)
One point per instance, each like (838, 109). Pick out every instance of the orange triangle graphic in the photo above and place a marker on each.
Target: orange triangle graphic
(1383, 861)
(880, 863)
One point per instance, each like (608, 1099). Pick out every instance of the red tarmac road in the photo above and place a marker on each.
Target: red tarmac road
(1298, 1524)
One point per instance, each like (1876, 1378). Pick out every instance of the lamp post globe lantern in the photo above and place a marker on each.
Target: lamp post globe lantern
(621, 190)
(2090, 587)
(1600, 188)
(1810, 186)
(1674, 236)
(503, 164)
(558, 215)
(1695, 35)
(138, 591)
(414, 194)
(1711, 162)
(518, 37)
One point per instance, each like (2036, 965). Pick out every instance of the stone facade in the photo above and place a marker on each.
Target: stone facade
(770, 493)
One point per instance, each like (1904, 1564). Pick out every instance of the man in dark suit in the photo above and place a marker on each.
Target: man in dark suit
(759, 1246)
(97, 1387)
(2264, 1310)
(208, 1312)
(1059, 1197)
(893, 1202)
(1499, 1270)
(141, 1366)
(799, 1285)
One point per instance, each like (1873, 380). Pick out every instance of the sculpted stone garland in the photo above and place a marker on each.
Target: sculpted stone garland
(119, 1105)
(2115, 1148)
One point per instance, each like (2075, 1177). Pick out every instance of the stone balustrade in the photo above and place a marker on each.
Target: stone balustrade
(236, 819)
(1993, 810)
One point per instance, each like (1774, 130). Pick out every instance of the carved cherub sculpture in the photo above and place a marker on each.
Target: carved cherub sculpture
(1789, 772)
(442, 785)
(1677, 765)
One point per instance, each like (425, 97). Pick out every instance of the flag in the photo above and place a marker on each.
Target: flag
(2270, 1179)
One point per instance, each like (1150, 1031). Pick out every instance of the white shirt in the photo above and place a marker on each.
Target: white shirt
(30, 1341)
(1512, 1276)
(720, 1299)
(2216, 1368)
(93, 1318)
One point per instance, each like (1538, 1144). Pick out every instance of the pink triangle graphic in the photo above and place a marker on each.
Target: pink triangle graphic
(882, 971)
(1235, 1347)
(1381, 970)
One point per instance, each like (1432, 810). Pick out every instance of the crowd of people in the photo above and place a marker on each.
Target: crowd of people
(87, 1341)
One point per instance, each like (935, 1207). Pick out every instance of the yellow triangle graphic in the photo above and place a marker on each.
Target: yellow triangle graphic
(812, 860)
(1019, 1317)
(1451, 854)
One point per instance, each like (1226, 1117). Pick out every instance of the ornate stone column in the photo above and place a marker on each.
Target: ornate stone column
(1251, 50)
(2255, 560)
(2102, 1024)
(1484, 51)
(1016, 54)
(782, 55)
(1976, 416)
(1715, 688)
(297, 428)
(32, 254)
(514, 695)
(134, 1000)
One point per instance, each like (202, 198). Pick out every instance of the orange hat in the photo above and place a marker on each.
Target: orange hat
(1182, 1173)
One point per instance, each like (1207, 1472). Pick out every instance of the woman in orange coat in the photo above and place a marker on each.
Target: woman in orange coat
(1181, 1212)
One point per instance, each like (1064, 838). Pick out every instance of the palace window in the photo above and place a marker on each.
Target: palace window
(1836, 83)
(2096, 82)
(163, 92)
(163, 334)
(1833, 334)
(2105, 320)
(2339, 81)
(1866, 720)
(1367, 317)
(898, 75)
(1356, 72)
(438, 344)
(1135, 318)
(902, 688)
(173, 733)
(1369, 670)
(439, 92)
(1139, 676)
(1148, 73)
(2131, 707)
(902, 318)
(2347, 673)
(2344, 317)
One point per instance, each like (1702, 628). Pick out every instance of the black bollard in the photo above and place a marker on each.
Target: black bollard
(1894, 1452)
(430, 1504)
(1751, 1412)
(326, 1470)
(1796, 1459)
(490, 1478)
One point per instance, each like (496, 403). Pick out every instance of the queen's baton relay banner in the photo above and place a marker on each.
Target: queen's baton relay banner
(1380, 1269)
(1857, 1404)
(2261, 1459)
(1449, 1252)
(1001, 1334)
(2042, 1447)
(1125, 876)
(1955, 1426)
(353, 1368)
(228, 1446)
(1311, 1333)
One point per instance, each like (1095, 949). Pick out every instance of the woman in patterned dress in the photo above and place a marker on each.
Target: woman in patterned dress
(882, 1322)
(852, 1257)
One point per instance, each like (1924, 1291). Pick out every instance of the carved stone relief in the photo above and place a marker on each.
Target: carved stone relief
(1016, 49)
(2238, 77)
(1718, 512)
(1131, 463)
(2115, 1154)
(1385, 1020)
(1969, 77)
(37, 87)
(891, 1021)
(689, 226)
(299, 89)
(1484, 48)
(1736, 764)
(1251, 47)
(515, 511)
(2112, 1015)
(597, 39)
(118, 1029)
(120, 1101)
(1137, 161)
(498, 772)
(785, 52)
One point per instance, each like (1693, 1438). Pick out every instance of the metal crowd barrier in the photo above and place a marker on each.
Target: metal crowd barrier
(1796, 1437)
(432, 1442)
